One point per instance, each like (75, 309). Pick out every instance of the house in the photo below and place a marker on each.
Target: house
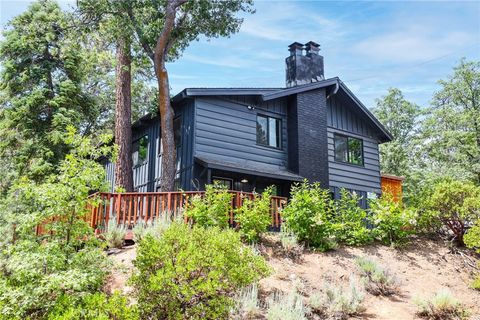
(251, 138)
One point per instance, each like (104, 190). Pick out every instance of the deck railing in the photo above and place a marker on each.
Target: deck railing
(128, 208)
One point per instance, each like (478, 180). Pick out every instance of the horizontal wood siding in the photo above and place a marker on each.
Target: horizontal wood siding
(226, 129)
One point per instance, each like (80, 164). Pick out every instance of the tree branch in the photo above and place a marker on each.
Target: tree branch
(139, 32)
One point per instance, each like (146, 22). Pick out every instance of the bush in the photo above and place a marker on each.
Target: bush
(336, 302)
(193, 272)
(213, 209)
(392, 222)
(94, 306)
(472, 237)
(115, 234)
(378, 281)
(254, 216)
(350, 220)
(442, 306)
(308, 215)
(37, 271)
(283, 306)
(247, 303)
(34, 276)
(456, 204)
(476, 283)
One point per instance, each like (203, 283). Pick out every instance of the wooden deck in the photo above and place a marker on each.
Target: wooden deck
(128, 208)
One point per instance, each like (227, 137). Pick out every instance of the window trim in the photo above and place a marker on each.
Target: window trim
(348, 151)
(280, 125)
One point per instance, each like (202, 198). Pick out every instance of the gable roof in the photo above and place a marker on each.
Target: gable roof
(334, 84)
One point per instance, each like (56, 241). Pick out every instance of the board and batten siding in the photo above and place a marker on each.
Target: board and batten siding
(226, 130)
(342, 120)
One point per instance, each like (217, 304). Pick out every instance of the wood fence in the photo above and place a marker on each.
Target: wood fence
(128, 208)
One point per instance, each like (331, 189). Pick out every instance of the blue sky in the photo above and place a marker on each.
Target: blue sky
(370, 45)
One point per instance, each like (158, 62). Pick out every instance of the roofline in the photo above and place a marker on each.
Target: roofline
(190, 92)
(247, 171)
(299, 89)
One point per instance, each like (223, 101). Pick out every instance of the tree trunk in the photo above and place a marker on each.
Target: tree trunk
(167, 180)
(123, 116)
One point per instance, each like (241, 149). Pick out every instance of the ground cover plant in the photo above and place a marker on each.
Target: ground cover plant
(442, 306)
(377, 280)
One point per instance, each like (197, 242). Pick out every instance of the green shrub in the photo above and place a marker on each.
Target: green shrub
(115, 234)
(349, 223)
(96, 306)
(36, 271)
(476, 283)
(472, 237)
(254, 216)
(193, 272)
(213, 209)
(336, 302)
(441, 306)
(308, 215)
(283, 306)
(377, 280)
(456, 204)
(34, 276)
(392, 222)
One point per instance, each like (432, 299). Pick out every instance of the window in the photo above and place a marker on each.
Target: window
(140, 151)
(177, 130)
(223, 182)
(348, 149)
(269, 131)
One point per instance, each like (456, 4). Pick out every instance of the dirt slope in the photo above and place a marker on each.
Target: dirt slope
(423, 268)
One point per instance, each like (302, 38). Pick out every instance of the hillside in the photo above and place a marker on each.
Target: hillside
(423, 268)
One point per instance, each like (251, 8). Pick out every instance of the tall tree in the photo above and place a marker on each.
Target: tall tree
(164, 29)
(400, 117)
(123, 115)
(108, 18)
(42, 81)
(451, 129)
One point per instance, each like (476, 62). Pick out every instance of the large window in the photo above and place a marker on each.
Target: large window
(269, 131)
(140, 151)
(348, 149)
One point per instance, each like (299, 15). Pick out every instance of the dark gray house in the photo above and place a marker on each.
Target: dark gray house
(250, 138)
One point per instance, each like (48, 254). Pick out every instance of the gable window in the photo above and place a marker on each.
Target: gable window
(269, 131)
(348, 149)
(140, 151)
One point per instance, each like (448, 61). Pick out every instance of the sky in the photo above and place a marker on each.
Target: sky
(369, 45)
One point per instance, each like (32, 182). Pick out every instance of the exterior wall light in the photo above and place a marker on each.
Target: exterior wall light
(244, 181)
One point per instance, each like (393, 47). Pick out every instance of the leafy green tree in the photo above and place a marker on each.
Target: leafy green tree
(42, 79)
(451, 130)
(400, 117)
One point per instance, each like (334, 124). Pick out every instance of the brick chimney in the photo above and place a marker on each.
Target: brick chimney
(303, 68)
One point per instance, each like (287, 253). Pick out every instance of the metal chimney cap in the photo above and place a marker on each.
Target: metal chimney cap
(312, 44)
